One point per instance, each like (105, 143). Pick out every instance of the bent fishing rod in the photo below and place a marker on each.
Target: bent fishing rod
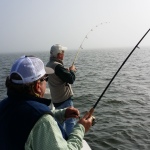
(81, 45)
(136, 46)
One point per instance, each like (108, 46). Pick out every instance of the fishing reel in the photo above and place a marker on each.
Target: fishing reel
(93, 121)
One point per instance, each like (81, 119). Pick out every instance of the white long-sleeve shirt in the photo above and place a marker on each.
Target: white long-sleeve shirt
(46, 135)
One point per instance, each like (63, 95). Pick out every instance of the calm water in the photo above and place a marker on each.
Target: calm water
(123, 113)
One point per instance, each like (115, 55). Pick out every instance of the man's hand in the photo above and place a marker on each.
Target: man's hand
(72, 112)
(73, 68)
(86, 121)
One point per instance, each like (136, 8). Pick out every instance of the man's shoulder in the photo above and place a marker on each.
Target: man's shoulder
(53, 64)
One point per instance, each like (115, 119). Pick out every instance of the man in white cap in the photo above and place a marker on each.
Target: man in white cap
(26, 121)
(60, 83)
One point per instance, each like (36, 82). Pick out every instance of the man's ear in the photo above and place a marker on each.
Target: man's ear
(58, 55)
(37, 87)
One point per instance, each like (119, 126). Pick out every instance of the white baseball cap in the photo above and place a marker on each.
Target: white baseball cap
(57, 48)
(30, 69)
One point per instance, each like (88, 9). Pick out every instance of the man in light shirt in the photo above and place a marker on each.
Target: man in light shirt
(26, 121)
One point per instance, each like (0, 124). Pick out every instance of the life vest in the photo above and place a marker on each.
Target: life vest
(57, 84)
(17, 118)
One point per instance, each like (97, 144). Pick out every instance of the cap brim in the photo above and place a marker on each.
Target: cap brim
(64, 48)
(49, 70)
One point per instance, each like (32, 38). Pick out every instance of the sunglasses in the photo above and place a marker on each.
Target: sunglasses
(45, 78)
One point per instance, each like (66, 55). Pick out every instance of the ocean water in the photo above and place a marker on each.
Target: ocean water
(123, 113)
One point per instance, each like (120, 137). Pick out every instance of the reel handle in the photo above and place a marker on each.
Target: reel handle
(93, 118)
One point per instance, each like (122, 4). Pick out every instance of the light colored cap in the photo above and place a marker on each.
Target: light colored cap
(30, 69)
(57, 48)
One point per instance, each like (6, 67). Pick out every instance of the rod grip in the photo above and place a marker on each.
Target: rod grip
(91, 112)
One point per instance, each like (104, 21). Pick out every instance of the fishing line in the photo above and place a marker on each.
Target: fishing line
(136, 46)
(86, 37)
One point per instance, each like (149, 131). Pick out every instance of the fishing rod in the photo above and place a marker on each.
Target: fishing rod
(86, 37)
(136, 46)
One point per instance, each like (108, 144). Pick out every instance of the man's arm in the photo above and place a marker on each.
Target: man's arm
(46, 135)
(65, 74)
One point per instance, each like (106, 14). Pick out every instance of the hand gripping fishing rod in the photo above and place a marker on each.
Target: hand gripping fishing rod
(92, 109)
(81, 47)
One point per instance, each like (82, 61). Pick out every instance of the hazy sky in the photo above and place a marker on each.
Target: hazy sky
(33, 25)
